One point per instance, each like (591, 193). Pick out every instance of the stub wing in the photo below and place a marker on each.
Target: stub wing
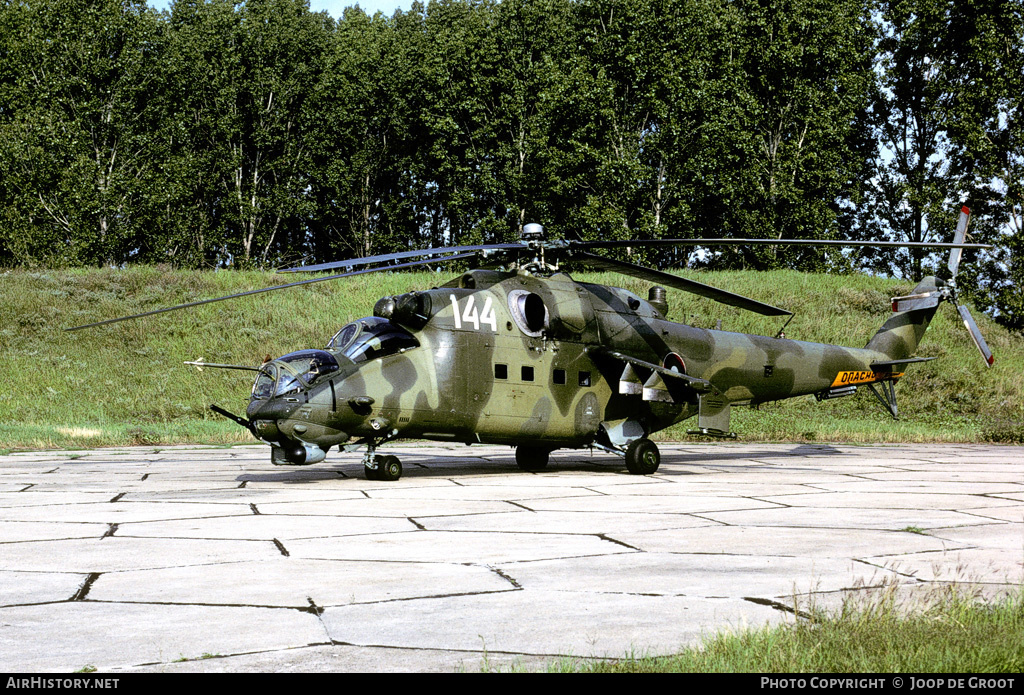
(630, 383)
(653, 382)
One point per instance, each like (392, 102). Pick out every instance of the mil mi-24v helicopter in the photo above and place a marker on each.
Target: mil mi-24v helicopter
(518, 353)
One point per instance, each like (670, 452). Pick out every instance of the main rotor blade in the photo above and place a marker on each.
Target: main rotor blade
(651, 275)
(958, 238)
(972, 328)
(366, 260)
(266, 289)
(616, 243)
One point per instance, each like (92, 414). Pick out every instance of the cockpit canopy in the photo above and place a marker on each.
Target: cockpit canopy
(293, 371)
(359, 341)
(370, 338)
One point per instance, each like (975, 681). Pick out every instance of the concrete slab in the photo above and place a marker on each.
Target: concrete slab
(554, 623)
(1013, 513)
(703, 576)
(27, 588)
(459, 547)
(758, 541)
(210, 559)
(1007, 536)
(115, 554)
(13, 531)
(595, 523)
(847, 517)
(971, 565)
(268, 527)
(82, 633)
(119, 512)
(344, 658)
(295, 582)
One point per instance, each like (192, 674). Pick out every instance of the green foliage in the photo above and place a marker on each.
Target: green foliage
(948, 119)
(76, 127)
(260, 134)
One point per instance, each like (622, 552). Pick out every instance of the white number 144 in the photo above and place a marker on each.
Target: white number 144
(469, 315)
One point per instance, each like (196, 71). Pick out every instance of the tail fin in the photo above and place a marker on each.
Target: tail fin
(900, 335)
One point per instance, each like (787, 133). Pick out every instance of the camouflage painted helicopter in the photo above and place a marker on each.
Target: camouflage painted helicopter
(519, 353)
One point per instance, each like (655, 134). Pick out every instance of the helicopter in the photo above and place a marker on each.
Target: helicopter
(517, 352)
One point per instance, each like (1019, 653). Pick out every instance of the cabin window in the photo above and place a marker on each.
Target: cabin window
(501, 371)
(527, 373)
(584, 378)
(558, 376)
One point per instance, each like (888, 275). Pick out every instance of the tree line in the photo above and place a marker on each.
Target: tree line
(260, 134)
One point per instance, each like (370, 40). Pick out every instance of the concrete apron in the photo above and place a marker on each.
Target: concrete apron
(212, 559)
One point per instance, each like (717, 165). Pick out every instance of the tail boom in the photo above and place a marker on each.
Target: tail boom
(899, 336)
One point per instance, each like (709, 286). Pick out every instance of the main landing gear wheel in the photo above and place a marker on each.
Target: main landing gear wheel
(642, 457)
(531, 458)
(388, 468)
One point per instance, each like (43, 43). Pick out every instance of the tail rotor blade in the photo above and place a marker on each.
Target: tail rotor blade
(958, 238)
(972, 328)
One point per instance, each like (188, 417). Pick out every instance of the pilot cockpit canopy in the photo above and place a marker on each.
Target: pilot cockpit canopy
(370, 338)
(292, 371)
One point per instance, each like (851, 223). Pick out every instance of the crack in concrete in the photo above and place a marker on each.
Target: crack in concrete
(506, 577)
(777, 605)
(604, 537)
(83, 590)
(521, 506)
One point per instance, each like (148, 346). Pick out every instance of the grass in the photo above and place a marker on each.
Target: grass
(949, 631)
(125, 383)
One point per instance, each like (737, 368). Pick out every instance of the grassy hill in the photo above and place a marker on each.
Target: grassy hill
(126, 384)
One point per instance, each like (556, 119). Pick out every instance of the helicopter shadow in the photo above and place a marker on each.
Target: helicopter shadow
(503, 465)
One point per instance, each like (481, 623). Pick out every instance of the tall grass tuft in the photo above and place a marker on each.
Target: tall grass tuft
(952, 631)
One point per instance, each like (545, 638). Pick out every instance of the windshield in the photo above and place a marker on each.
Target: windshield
(295, 370)
(264, 386)
(370, 338)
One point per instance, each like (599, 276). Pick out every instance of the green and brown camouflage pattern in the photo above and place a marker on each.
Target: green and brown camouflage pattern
(552, 373)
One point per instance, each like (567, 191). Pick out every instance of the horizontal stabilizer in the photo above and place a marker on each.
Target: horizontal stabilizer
(925, 300)
(888, 365)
